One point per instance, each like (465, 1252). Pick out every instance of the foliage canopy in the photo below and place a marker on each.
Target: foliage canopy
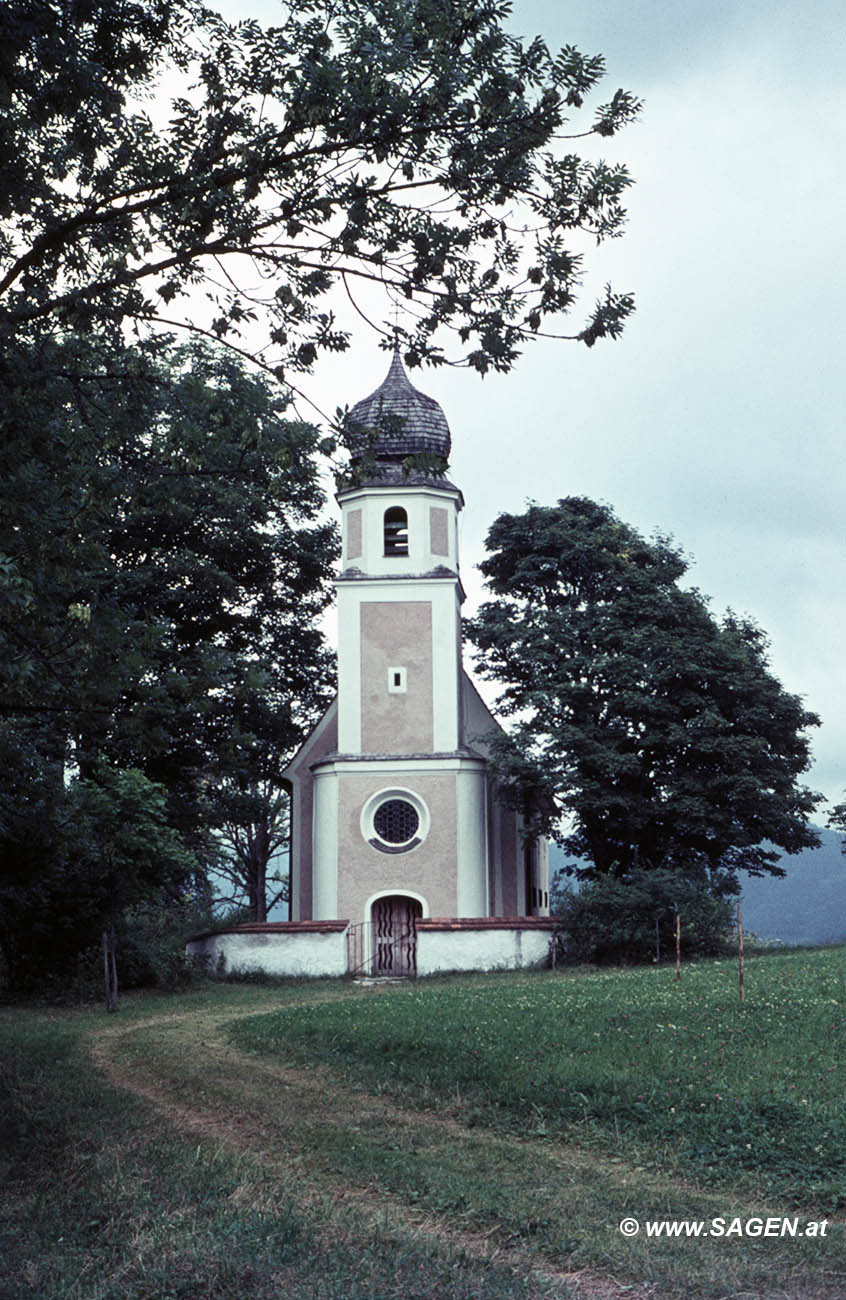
(162, 567)
(658, 732)
(412, 147)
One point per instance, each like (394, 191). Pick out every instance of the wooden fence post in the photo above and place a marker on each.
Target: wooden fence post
(740, 952)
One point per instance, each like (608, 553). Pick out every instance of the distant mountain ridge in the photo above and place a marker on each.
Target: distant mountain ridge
(806, 906)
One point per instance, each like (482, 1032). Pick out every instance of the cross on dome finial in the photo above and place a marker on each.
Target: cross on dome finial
(395, 329)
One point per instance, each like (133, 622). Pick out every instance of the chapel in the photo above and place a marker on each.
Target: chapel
(396, 816)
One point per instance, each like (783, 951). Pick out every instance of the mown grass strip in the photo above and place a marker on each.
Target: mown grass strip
(101, 1200)
(674, 1077)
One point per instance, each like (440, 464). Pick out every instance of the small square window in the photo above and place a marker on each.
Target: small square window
(397, 681)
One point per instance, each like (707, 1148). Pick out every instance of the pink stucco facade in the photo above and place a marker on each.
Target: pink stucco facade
(396, 634)
(430, 871)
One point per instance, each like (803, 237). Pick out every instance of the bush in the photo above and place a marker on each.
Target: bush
(150, 953)
(151, 944)
(232, 916)
(633, 920)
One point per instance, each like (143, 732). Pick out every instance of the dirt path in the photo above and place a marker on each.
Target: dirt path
(278, 1115)
(365, 1163)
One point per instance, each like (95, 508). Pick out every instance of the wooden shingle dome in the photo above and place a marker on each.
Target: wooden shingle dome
(405, 421)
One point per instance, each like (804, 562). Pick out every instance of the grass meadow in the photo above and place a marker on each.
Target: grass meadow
(676, 1076)
(109, 1193)
(466, 1138)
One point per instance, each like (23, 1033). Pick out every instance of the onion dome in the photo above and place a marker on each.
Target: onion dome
(398, 421)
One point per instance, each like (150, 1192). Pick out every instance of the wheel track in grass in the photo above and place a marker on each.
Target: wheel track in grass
(185, 1066)
(234, 1128)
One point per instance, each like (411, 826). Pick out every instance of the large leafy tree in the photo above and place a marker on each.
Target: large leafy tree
(415, 147)
(162, 549)
(658, 734)
(164, 564)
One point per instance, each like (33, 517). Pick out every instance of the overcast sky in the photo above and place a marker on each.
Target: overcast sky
(717, 417)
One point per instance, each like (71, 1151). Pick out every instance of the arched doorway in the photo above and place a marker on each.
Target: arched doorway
(394, 920)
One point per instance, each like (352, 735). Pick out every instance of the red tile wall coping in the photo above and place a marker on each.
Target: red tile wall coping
(489, 923)
(277, 927)
(432, 923)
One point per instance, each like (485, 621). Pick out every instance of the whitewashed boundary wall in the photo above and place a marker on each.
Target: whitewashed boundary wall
(487, 943)
(295, 948)
(319, 948)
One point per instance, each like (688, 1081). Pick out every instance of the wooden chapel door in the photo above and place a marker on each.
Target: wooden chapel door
(395, 935)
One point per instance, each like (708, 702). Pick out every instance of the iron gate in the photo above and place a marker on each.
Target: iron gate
(387, 944)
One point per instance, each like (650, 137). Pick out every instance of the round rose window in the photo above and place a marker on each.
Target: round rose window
(396, 821)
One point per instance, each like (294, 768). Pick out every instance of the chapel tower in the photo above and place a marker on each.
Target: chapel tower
(396, 814)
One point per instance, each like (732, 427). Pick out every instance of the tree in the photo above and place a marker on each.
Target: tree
(255, 836)
(161, 548)
(73, 857)
(124, 850)
(163, 563)
(253, 803)
(658, 732)
(414, 148)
